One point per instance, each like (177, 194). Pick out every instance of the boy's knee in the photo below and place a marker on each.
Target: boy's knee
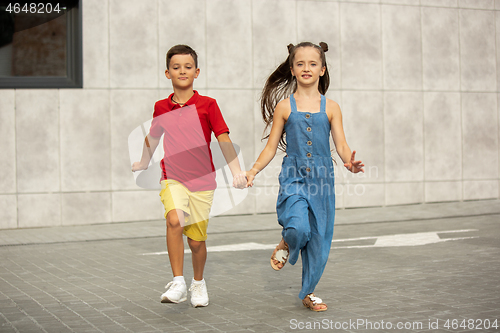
(195, 245)
(173, 220)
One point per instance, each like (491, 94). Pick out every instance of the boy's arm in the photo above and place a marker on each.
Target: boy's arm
(232, 160)
(150, 145)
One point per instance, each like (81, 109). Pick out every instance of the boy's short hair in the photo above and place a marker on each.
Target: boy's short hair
(181, 49)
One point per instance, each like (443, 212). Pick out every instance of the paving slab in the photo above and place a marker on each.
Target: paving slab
(417, 268)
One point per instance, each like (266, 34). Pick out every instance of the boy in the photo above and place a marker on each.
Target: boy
(187, 120)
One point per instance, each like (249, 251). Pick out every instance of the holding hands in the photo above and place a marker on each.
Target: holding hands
(245, 179)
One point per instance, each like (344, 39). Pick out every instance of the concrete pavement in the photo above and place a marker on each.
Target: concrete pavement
(418, 268)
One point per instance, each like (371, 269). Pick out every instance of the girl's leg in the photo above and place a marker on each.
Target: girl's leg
(314, 260)
(175, 243)
(199, 257)
(313, 264)
(296, 230)
(315, 255)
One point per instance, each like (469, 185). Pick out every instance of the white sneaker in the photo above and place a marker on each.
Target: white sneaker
(199, 294)
(176, 293)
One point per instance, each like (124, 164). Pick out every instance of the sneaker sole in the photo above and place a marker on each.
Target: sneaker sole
(166, 300)
(199, 305)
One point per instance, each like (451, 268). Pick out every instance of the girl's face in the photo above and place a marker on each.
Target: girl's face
(307, 66)
(182, 70)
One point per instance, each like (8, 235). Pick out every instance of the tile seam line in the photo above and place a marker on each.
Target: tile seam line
(16, 181)
(332, 89)
(421, 21)
(388, 3)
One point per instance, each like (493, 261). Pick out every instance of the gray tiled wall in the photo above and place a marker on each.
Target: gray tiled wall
(417, 81)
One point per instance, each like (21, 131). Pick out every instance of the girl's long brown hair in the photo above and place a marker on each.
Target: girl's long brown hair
(281, 84)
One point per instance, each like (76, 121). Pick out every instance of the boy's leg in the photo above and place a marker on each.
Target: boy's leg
(196, 232)
(200, 204)
(198, 288)
(199, 257)
(174, 197)
(176, 290)
(175, 243)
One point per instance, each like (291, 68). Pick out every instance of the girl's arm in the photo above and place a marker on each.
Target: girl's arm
(150, 144)
(232, 160)
(339, 140)
(269, 151)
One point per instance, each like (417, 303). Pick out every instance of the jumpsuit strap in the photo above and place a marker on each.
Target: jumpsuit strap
(293, 104)
(323, 104)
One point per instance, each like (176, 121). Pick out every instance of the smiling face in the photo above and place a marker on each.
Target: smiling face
(307, 66)
(182, 71)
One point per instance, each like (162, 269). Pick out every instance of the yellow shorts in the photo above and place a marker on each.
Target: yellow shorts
(196, 206)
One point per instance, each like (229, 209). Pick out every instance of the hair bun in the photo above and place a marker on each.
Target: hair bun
(290, 47)
(324, 46)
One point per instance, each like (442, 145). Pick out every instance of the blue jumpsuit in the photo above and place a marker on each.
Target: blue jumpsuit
(306, 200)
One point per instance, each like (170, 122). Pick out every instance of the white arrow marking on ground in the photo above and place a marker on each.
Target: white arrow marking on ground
(413, 239)
(228, 248)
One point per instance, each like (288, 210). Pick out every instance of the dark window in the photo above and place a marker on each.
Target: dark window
(41, 44)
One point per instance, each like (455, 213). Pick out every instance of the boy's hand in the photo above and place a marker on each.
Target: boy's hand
(138, 167)
(354, 166)
(240, 181)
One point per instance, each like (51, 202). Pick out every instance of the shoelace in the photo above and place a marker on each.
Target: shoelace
(173, 284)
(196, 288)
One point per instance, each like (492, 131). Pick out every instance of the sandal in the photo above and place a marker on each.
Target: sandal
(310, 301)
(280, 255)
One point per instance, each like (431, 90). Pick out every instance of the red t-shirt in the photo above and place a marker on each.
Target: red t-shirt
(187, 134)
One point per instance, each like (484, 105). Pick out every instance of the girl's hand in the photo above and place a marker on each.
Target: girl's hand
(240, 181)
(250, 176)
(354, 166)
(138, 167)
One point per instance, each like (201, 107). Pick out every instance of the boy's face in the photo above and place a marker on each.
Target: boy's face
(182, 71)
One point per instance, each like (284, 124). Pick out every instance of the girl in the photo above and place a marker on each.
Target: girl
(306, 200)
